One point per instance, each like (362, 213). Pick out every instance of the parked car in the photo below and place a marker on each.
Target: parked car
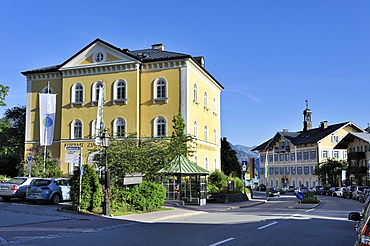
(348, 192)
(301, 189)
(323, 190)
(358, 191)
(333, 191)
(48, 190)
(341, 191)
(315, 188)
(261, 187)
(15, 188)
(272, 191)
(362, 227)
(288, 188)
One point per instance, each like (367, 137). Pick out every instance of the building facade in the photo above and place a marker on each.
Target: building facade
(358, 148)
(291, 157)
(144, 89)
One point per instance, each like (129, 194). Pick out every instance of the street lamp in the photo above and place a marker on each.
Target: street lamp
(105, 141)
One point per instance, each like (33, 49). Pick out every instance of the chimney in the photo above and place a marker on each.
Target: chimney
(285, 130)
(323, 125)
(158, 47)
(200, 60)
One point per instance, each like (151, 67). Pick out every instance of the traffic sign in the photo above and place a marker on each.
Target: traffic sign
(299, 196)
(29, 158)
(73, 148)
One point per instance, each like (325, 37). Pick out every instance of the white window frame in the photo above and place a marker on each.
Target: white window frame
(195, 129)
(335, 139)
(115, 127)
(215, 136)
(74, 94)
(93, 127)
(95, 94)
(206, 162)
(195, 93)
(47, 90)
(160, 98)
(215, 107)
(73, 127)
(158, 121)
(115, 91)
(206, 133)
(206, 101)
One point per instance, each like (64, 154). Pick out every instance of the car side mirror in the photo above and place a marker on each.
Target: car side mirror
(356, 216)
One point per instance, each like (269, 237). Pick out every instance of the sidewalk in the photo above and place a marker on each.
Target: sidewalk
(188, 210)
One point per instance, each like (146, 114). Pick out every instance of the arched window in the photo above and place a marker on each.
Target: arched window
(119, 126)
(160, 91)
(77, 93)
(214, 136)
(205, 100)
(195, 159)
(206, 133)
(47, 90)
(160, 127)
(214, 106)
(95, 129)
(76, 129)
(206, 163)
(195, 93)
(214, 163)
(195, 129)
(119, 89)
(96, 89)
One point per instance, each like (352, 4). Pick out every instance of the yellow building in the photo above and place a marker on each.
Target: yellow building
(144, 89)
(291, 157)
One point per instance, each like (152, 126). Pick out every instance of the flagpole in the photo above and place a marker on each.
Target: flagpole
(46, 133)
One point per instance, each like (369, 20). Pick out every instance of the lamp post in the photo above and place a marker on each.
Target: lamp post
(105, 140)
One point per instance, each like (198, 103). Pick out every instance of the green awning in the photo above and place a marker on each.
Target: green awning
(182, 165)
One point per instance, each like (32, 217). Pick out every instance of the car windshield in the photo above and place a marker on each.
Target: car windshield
(15, 181)
(40, 182)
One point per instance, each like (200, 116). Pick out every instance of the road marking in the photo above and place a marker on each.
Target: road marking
(294, 215)
(221, 242)
(263, 227)
(309, 210)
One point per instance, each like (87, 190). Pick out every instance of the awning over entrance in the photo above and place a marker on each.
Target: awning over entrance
(182, 165)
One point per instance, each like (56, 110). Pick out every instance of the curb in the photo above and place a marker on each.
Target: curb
(300, 206)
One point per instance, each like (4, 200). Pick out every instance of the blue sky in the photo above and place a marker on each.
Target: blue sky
(270, 55)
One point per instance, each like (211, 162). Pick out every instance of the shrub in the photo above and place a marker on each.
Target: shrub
(91, 191)
(146, 196)
(218, 179)
(310, 198)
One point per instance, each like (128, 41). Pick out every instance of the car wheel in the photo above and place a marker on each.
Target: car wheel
(55, 199)
(6, 198)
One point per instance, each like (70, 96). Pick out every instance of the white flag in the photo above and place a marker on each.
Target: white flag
(99, 118)
(47, 118)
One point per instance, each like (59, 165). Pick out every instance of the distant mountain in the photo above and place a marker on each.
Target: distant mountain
(243, 152)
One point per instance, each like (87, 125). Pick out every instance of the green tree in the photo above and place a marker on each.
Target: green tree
(12, 131)
(180, 143)
(330, 169)
(3, 93)
(229, 160)
(49, 169)
(91, 190)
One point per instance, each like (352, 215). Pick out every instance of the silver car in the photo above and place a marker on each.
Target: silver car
(53, 190)
(15, 188)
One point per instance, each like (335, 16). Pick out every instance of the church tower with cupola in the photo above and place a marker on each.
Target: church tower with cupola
(307, 121)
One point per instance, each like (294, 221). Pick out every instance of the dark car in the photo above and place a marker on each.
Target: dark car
(261, 187)
(323, 190)
(348, 192)
(272, 191)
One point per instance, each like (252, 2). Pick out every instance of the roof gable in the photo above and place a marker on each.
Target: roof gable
(87, 56)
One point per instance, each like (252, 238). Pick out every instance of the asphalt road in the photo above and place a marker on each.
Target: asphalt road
(272, 223)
